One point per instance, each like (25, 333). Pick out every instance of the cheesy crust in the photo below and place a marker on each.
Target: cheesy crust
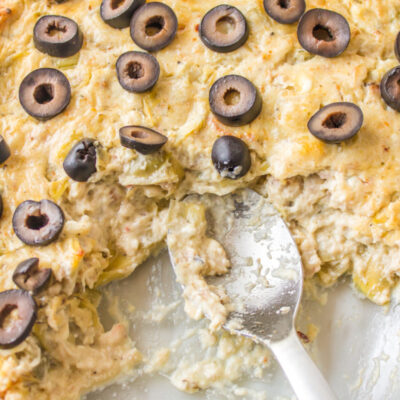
(340, 201)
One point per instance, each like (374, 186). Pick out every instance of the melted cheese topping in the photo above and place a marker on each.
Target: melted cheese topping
(341, 201)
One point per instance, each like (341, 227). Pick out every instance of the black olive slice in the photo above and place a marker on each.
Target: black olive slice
(231, 157)
(29, 277)
(144, 140)
(234, 100)
(390, 88)
(18, 313)
(224, 29)
(45, 93)
(336, 122)
(38, 223)
(5, 152)
(153, 26)
(137, 72)
(80, 163)
(323, 32)
(118, 13)
(57, 36)
(285, 11)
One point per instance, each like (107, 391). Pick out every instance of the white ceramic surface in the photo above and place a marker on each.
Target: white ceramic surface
(357, 348)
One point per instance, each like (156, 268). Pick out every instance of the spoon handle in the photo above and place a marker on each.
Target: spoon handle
(304, 376)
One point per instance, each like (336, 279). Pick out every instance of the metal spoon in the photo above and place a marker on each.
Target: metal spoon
(265, 282)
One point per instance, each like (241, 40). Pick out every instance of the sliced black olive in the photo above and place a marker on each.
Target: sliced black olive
(38, 223)
(390, 88)
(234, 100)
(323, 32)
(144, 140)
(5, 152)
(224, 29)
(153, 26)
(29, 277)
(118, 13)
(336, 122)
(57, 36)
(137, 72)
(231, 157)
(80, 163)
(285, 11)
(45, 93)
(17, 317)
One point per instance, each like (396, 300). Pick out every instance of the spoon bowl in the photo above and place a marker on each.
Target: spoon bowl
(265, 282)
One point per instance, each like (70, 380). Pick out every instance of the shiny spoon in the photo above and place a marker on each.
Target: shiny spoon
(264, 284)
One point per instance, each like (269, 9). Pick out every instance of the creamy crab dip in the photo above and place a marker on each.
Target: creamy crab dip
(91, 202)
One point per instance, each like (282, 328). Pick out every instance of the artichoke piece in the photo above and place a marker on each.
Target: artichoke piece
(373, 285)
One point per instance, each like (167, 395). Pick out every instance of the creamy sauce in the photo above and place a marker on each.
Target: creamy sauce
(196, 256)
